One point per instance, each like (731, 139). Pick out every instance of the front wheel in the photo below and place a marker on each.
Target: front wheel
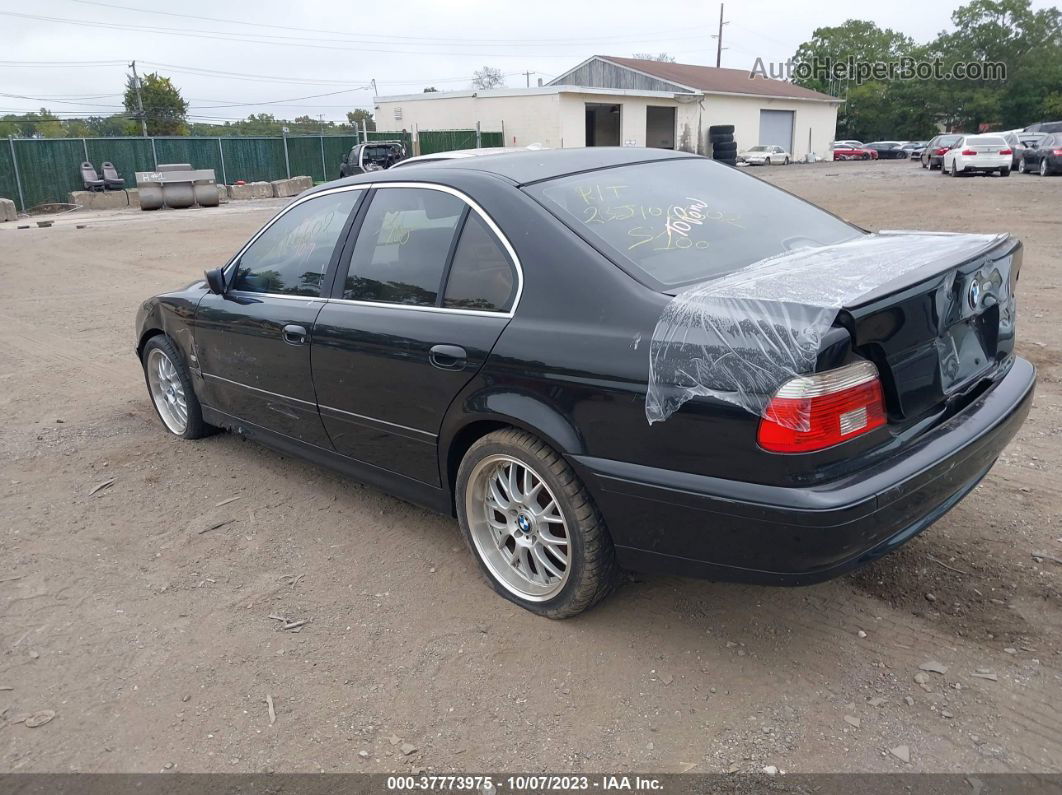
(170, 386)
(532, 526)
(785, 162)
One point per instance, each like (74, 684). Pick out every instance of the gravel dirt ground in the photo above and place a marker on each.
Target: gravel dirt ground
(150, 635)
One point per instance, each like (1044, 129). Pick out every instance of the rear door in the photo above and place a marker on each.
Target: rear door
(253, 342)
(423, 291)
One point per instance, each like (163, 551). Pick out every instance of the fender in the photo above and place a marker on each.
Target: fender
(171, 314)
(482, 404)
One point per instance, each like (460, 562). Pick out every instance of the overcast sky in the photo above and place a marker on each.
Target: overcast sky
(231, 59)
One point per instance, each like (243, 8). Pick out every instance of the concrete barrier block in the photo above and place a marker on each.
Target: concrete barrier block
(223, 193)
(133, 195)
(100, 200)
(301, 184)
(7, 210)
(283, 188)
(239, 192)
(261, 190)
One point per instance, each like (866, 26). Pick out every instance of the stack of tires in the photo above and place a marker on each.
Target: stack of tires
(724, 149)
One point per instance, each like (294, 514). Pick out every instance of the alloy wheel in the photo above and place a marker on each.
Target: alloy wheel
(167, 390)
(517, 527)
(1043, 167)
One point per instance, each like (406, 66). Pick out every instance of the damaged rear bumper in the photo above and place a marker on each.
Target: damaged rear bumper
(697, 526)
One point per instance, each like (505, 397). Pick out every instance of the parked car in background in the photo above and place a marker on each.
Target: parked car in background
(844, 152)
(1043, 157)
(914, 149)
(1045, 127)
(371, 156)
(846, 144)
(978, 154)
(459, 334)
(1019, 142)
(933, 154)
(765, 156)
(888, 150)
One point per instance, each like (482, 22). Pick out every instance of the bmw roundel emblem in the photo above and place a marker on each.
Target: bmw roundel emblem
(523, 523)
(974, 296)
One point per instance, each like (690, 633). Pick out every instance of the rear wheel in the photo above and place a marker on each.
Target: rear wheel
(1021, 167)
(1004, 172)
(1044, 169)
(954, 169)
(170, 386)
(532, 526)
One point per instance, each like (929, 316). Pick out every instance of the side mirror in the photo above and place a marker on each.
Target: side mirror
(215, 279)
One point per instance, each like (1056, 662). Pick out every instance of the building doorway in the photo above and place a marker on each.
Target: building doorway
(660, 127)
(602, 124)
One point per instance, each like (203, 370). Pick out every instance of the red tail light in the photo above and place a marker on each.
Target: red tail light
(813, 412)
(1006, 152)
(943, 150)
(1056, 151)
(968, 152)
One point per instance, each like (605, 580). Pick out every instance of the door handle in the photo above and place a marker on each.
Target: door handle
(448, 357)
(295, 335)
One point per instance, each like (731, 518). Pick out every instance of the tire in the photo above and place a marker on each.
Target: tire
(1044, 168)
(721, 129)
(589, 572)
(785, 162)
(865, 157)
(954, 169)
(767, 161)
(727, 161)
(1021, 167)
(169, 382)
(725, 150)
(721, 138)
(923, 162)
(1004, 172)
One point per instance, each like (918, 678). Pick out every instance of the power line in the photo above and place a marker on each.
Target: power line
(385, 38)
(276, 41)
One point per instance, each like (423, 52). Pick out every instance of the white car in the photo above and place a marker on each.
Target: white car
(765, 156)
(978, 153)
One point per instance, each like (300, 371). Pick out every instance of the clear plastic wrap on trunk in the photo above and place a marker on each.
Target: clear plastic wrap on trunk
(741, 336)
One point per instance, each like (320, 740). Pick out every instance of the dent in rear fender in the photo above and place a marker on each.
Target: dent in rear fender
(480, 402)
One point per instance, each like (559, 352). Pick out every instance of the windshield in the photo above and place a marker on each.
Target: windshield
(677, 222)
(758, 149)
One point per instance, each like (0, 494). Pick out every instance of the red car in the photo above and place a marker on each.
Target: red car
(845, 152)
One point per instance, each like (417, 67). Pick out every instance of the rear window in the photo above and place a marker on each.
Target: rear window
(986, 140)
(678, 222)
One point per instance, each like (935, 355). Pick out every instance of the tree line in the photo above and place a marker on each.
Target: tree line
(1027, 42)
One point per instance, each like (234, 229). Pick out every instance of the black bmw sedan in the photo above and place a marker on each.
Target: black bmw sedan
(604, 359)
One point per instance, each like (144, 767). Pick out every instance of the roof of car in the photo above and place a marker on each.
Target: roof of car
(525, 167)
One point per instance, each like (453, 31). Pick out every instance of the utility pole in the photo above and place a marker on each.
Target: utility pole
(373, 81)
(719, 39)
(139, 101)
(528, 76)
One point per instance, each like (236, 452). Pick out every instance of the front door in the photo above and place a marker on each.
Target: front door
(253, 342)
(424, 292)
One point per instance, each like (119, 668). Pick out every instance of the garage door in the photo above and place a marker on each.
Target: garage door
(776, 128)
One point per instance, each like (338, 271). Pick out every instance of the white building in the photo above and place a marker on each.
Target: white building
(608, 101)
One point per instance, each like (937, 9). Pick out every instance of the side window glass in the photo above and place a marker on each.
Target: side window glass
(291, 256)
(481, 276)
(402, 247)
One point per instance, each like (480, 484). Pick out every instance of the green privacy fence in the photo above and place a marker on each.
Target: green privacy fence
(432, 141)
(38, 171)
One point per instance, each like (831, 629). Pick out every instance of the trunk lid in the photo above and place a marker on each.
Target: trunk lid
(940, 331)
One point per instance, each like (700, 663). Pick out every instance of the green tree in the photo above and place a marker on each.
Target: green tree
(42, 124)
(356, 116)
(430, 90)
(164, 108)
